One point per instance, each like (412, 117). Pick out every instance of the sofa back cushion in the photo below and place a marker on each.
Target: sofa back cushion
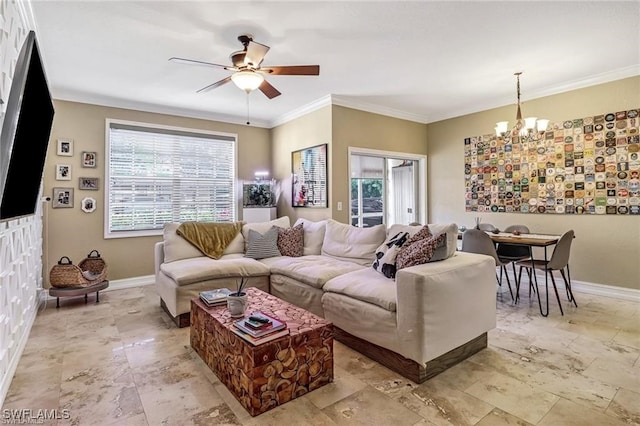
(313, 235)
(351, 243)
(451, 229)
(262, 227)
(177, 248)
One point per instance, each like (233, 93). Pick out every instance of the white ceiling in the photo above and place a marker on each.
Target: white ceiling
(424, 61)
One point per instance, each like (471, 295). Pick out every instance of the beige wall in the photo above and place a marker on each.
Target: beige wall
(303, 132)
(354, 128)
(607, 248)
(73, 233)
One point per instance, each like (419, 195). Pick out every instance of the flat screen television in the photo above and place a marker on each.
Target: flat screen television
(25, 134)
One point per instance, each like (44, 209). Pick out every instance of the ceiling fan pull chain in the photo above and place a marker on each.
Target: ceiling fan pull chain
(248, 122)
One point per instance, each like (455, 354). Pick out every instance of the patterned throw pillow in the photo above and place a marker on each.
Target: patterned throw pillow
(263, 245)
(385, 262)
(420, 251)
(291, 241)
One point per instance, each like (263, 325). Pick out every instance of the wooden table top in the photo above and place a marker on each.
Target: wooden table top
(536, 240)
(298, 320)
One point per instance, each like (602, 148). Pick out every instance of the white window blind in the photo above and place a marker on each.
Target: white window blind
(159, 174)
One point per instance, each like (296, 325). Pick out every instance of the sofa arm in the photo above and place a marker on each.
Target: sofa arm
(158, 256)
(442, 305)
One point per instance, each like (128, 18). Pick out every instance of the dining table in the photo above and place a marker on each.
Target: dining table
(529, 240)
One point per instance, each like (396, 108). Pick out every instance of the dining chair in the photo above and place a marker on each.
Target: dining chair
(486, 227)
(559, 262)
(477, 241)
(514, 252)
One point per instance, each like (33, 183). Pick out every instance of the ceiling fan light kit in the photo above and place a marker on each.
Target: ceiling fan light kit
(531, 129)
(247, 80)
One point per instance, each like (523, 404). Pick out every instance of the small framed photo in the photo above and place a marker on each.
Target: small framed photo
(63, 172)
(89, 159)
(65, 147)
(89, 183)
(62, 198)
(88, 205)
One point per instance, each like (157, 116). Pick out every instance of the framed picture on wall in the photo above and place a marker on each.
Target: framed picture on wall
(63, 172)
(89, 183)
(309, 186)
(62, 198)
(89, 159)
(65, 147)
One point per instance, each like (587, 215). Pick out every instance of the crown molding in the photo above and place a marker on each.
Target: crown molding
(378, 109)
(593, 80)
(72, 96)
(303, 110)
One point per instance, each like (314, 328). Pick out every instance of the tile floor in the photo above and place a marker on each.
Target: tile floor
(123, 362)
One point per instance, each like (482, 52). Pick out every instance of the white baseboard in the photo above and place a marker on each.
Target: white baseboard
(604, 290)
(122, 284)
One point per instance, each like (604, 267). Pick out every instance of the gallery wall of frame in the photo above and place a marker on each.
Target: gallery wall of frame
(588, 165)
(63, 197)
(309, 187)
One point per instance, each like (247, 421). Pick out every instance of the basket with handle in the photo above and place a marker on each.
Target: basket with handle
(91, 270)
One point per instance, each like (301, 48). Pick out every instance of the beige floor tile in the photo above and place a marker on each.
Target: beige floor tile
(444, 405)
(615, 374)
(165, 372)
(567, 413)
(498, 417)
(299, 411)
(343, 385)
(370, 407)
(626, 407)
(509, 395)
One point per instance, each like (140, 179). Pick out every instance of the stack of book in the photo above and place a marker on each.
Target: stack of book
(215, 297)
(260, 328)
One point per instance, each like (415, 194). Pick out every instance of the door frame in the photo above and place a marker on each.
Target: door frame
(422, 175)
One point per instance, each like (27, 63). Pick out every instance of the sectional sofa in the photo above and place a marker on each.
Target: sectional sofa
(431, 316)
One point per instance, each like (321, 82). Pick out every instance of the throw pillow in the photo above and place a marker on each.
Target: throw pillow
(291, 241)
(420, 251)
(386, 254)
(264, 245)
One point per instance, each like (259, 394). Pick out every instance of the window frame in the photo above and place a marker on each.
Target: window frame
(108, 234)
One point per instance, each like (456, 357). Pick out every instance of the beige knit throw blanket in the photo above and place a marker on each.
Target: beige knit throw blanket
(210, 238)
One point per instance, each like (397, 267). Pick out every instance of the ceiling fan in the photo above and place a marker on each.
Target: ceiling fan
(247, 72)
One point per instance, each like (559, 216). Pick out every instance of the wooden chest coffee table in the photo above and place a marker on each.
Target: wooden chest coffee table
(265, 376)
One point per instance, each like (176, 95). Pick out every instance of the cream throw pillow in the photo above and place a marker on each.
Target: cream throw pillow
(313, 235)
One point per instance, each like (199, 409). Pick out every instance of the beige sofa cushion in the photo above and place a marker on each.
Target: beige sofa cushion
(313, 235)
(451, 229)
(177, 248)
(346, 242)
(189, 271)
(312, 270)
(366, 285)
(262, 227)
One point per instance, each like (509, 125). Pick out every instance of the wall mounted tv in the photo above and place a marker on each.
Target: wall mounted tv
(25, 134)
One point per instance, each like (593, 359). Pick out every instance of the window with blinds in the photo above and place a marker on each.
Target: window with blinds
(157, 174)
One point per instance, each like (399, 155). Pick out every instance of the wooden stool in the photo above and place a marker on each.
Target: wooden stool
(78, 291)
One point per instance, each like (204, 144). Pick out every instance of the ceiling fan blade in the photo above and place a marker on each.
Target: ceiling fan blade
(293, 70)
(194, 62)
(214, 85)
(269, 91)
(255, 53)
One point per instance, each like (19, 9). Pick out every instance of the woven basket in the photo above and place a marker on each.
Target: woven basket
(91, 270)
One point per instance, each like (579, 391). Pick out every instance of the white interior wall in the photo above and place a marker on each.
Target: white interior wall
(21, 239)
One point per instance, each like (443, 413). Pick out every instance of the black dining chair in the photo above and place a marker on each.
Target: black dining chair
(559, 262)
(477, 241)
(514, 252)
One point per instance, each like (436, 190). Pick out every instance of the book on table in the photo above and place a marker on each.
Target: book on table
(215, 297)
(260, 340)
(259, 324)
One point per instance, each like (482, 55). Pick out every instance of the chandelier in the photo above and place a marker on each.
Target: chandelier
(528, 130)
